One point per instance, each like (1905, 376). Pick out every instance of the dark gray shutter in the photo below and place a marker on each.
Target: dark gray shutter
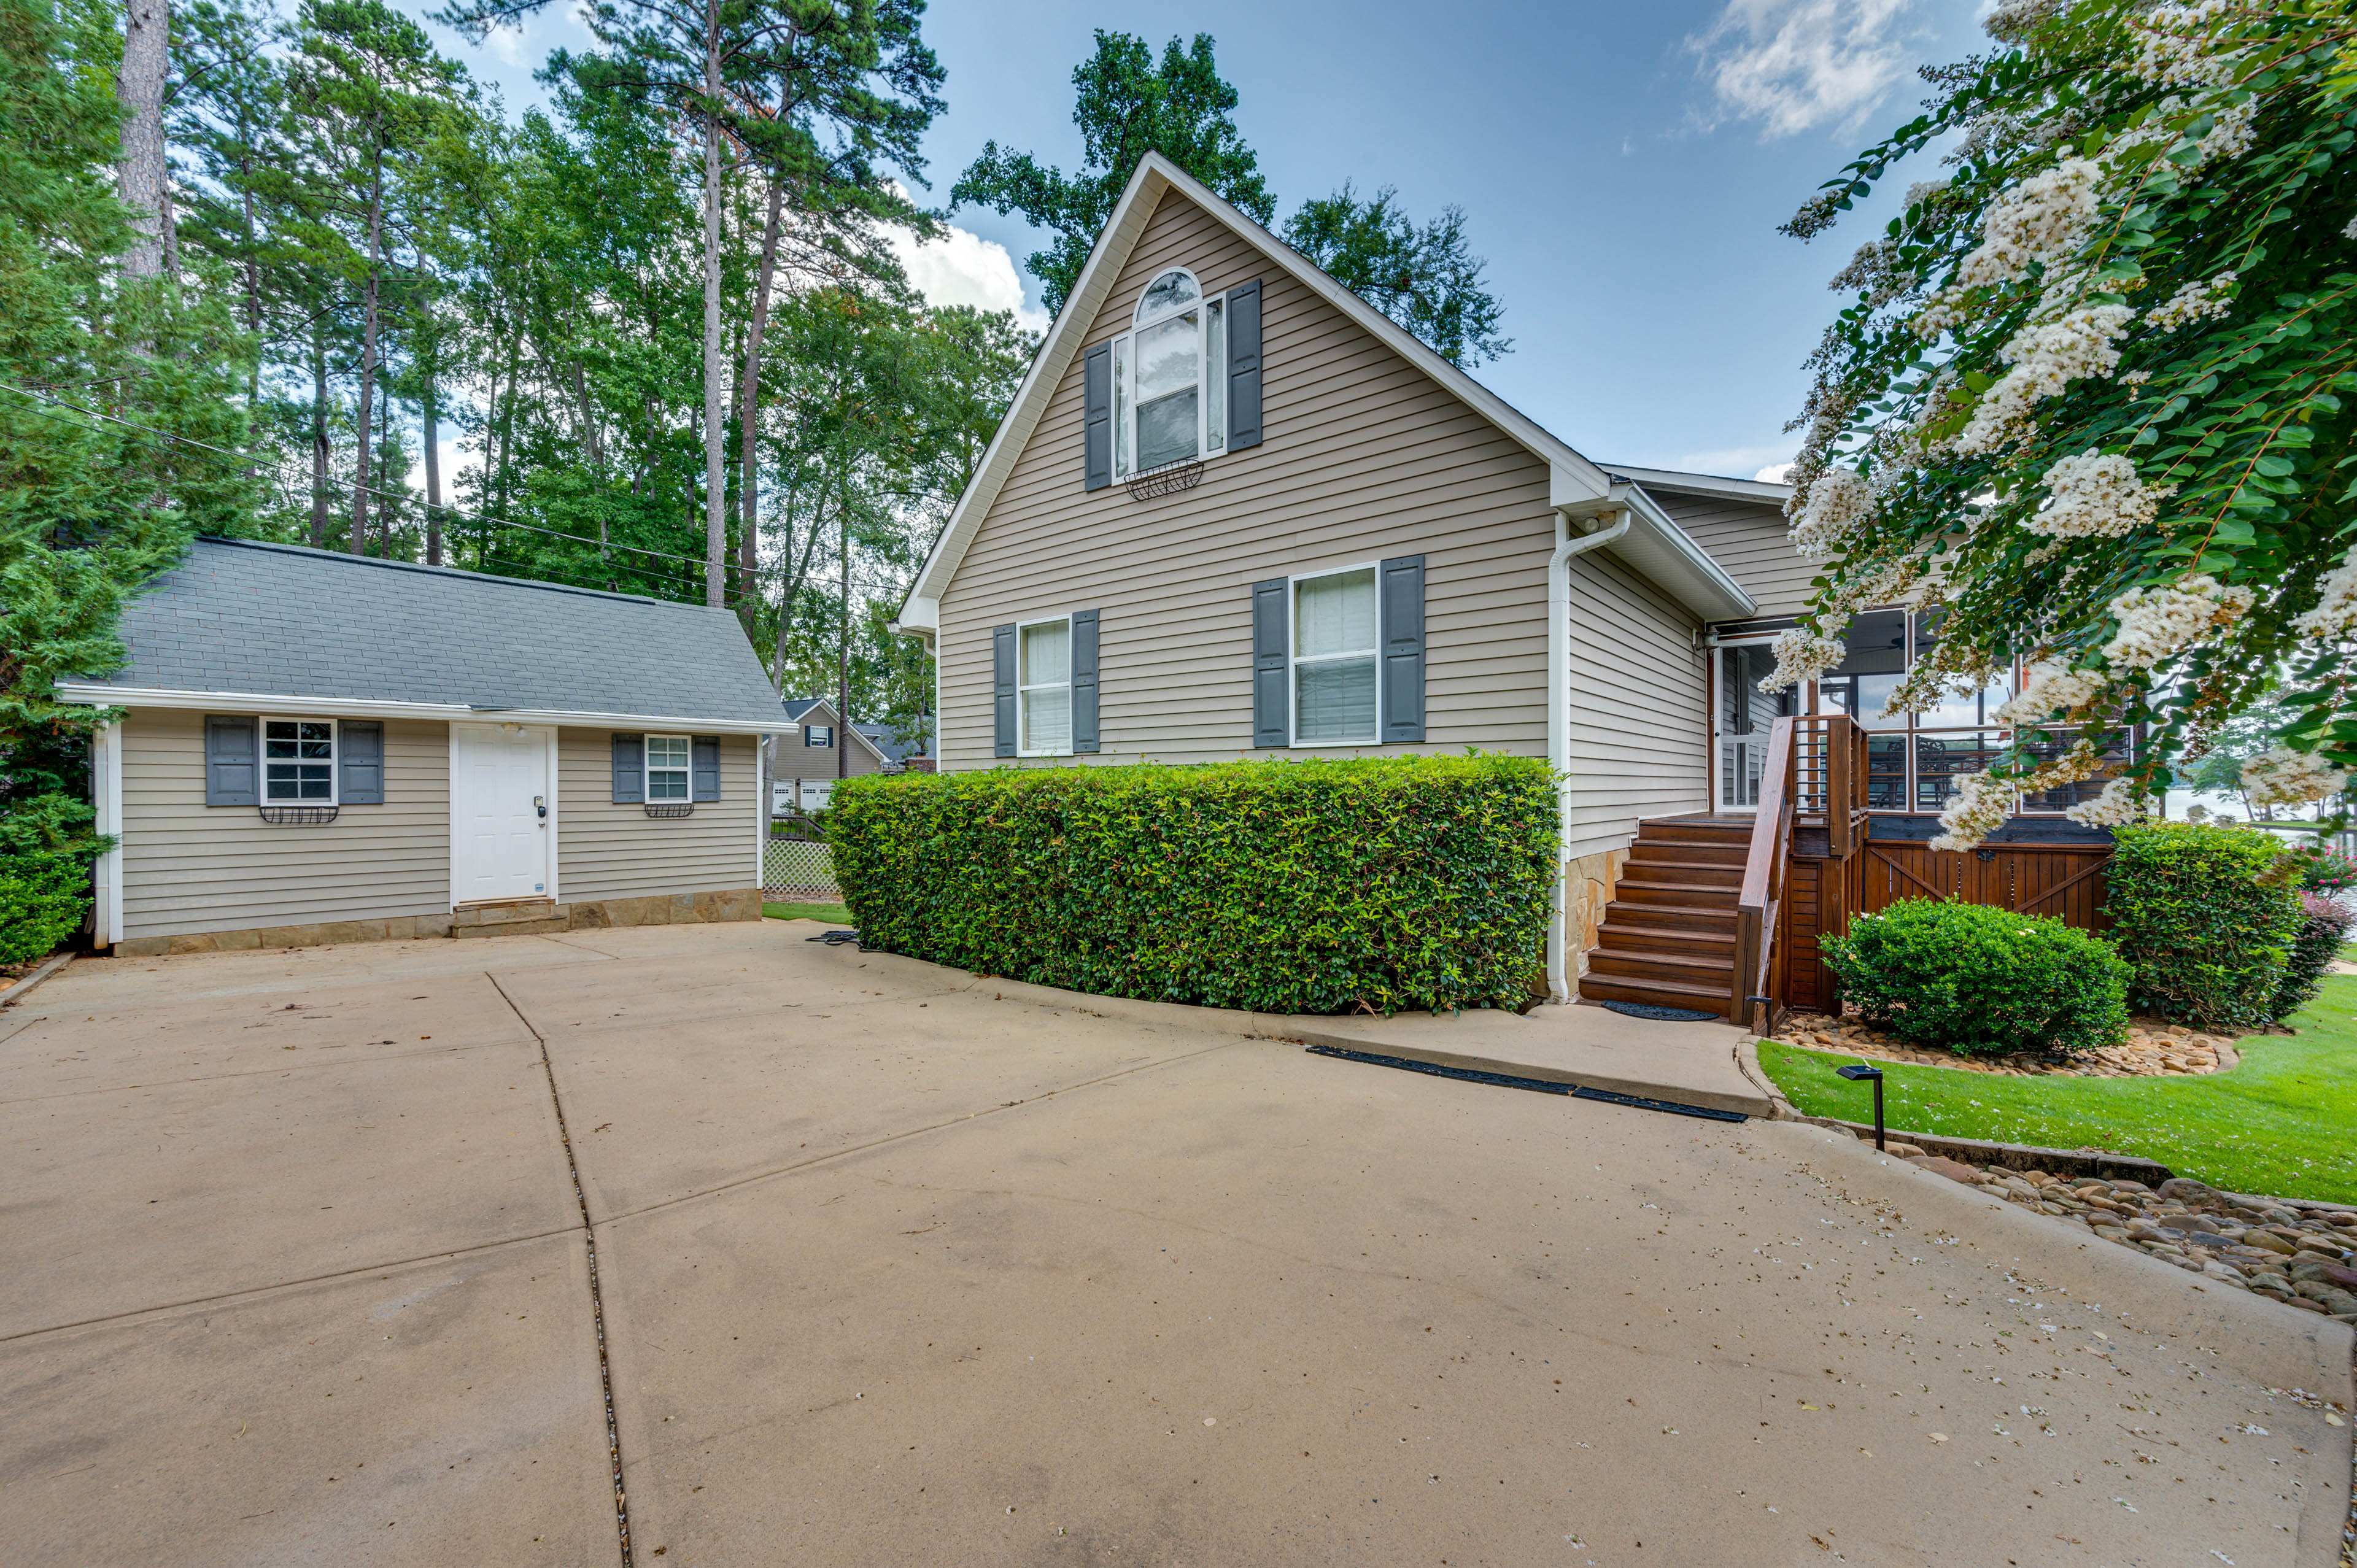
(1402, 584)
(1084, 681)
(1002, 690)
(704, 768)
(232, 773)
(1244, 366)
(359, 744)
(629, 770)
(1096, 394)
(1271, 713)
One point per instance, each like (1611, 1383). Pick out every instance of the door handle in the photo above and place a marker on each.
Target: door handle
(539, 804)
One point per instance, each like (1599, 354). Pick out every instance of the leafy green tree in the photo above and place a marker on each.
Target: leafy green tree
(373, 93)
(119, 424)
(1427, 278)
(2098, 386)
(1128, 106)
(834, 94)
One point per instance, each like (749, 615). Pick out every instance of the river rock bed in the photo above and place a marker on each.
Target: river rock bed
(2304, 1255)
(2153, 1050)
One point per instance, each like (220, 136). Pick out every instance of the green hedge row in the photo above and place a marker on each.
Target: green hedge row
(2208, 915)
(1316, 887)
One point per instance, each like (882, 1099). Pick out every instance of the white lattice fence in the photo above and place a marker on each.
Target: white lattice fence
(798, 867)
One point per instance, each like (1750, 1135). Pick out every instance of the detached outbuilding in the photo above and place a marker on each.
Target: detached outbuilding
(324, 747)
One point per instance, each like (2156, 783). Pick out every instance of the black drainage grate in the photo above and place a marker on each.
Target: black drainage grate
(1542, 1086)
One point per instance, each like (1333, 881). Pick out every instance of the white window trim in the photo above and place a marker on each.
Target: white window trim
(261, 722)
(810, 744)
(647, 769)
(1293, 660)
(1022, 692)
(1124, 366)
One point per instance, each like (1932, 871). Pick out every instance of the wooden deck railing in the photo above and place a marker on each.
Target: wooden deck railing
(1814, 774)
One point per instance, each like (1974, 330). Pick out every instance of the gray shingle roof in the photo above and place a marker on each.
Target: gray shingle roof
(284, 620)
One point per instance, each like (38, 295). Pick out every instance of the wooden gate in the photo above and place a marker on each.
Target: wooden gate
(2064, 881)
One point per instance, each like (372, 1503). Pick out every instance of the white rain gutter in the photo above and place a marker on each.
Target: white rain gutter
(1614, 502)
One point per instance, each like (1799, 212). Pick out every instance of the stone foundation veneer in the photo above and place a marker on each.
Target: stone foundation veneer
(514, 920)
(1587, 884)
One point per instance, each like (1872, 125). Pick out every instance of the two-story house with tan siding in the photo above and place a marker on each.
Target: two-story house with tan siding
(1234, 511)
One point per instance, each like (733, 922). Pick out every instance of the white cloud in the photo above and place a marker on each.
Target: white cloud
(506, 42)
(1797, 65)
(1773, 474)
(963, 268)
(1732, 460)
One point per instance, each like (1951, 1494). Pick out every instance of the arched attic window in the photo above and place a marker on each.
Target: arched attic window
(1169, 377)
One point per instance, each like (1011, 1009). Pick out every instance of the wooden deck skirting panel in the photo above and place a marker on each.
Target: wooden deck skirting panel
(605, 850)
(2063, 881)
(191, 867)
(1365, 459)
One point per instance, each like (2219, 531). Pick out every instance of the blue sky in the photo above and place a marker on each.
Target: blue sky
(1623, 168)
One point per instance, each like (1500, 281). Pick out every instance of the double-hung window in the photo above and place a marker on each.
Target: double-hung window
(1335, 658)
(819, 736)
(1043, 691)
(1169, 383)
(667, 767)
(298, 760)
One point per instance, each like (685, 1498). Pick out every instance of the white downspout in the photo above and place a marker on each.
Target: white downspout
(1567, 544)
(107, 769)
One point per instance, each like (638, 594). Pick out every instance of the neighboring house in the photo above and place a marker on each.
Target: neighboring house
(321, 747)
(898, 754)
(1234, 511)
(811, 755)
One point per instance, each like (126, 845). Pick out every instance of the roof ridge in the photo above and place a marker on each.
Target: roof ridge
(347, 558)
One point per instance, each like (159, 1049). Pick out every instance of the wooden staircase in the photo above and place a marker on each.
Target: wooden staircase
(1669, 934)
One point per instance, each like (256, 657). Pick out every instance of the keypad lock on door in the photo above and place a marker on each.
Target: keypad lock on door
(539, 804)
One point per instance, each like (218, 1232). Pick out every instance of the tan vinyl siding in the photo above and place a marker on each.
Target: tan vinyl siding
(1365, 457)
(606, 851)
(1638, 745)
(191, 867)
(1749, 539)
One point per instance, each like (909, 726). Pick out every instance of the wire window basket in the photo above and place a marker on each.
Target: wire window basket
(1167, 480)
(671, 807)
(297, 816)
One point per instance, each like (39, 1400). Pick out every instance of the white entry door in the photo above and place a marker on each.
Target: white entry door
(501, 819)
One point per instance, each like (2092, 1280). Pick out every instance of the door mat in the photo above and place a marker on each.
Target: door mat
(1666, 1014)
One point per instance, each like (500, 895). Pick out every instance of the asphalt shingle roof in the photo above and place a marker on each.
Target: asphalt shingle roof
(284, 621)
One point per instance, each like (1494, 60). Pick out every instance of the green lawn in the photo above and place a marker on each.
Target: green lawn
(832, 914)
(2283, 1122)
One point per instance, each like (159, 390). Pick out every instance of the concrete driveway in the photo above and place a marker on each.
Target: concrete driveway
(893, 1268)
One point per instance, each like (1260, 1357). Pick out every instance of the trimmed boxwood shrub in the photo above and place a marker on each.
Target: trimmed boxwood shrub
(1316, 887)
(2208, 917)
(1974, 979)
(42, 897)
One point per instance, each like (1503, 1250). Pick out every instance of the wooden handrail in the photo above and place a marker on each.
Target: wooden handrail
(1763, 876)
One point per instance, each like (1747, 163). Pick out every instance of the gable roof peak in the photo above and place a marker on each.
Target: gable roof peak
(1574, 476)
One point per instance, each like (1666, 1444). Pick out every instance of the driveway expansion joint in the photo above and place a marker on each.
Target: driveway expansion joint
(596, 1298)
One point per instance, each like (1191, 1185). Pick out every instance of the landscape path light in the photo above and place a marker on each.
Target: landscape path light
(1857, 1070)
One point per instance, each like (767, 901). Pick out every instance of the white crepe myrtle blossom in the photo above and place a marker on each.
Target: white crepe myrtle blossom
(2097, 495)
(2120, 803)
(2049, 687)
(1801, 655)
(1978, 809)
(2282, 777)
(2174, 49)
(1837, 502)
(2046, 359)
(2335, 614)
(2155, 623)
(2043, 218)
(2195, 302)
(1984, 801)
